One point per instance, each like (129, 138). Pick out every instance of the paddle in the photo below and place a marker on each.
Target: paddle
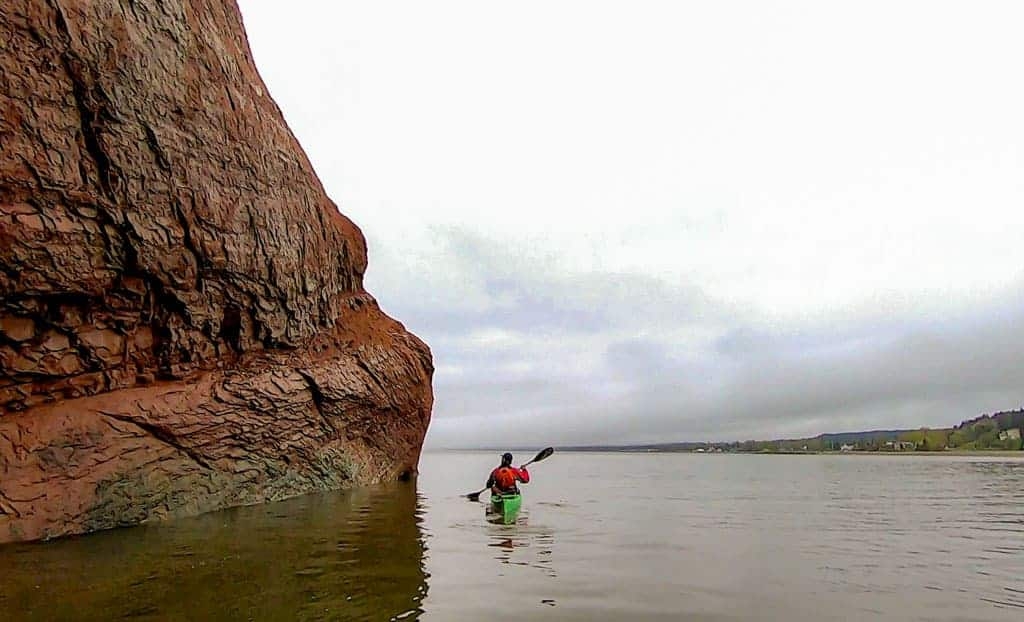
(544, 453)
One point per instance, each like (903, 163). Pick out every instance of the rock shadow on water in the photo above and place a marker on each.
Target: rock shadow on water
(355, 554)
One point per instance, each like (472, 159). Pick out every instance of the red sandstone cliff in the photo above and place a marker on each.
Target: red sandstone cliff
(183, 325)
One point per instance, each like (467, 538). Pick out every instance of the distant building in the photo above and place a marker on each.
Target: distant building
(906, 445)
(846, 447)
(1013, 434)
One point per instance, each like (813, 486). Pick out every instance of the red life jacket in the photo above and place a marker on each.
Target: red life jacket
(505, 478)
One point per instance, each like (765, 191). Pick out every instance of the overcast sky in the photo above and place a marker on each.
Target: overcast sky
(637, 221)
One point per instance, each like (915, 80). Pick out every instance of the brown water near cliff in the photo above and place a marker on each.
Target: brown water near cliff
(602, 537)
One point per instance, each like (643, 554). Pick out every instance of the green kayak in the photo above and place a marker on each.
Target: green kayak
(504, 508)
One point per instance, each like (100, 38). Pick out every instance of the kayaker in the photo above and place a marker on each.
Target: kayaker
(504, 479)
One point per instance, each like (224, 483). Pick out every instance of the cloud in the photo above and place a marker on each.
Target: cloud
(543, 355)
(475, 282)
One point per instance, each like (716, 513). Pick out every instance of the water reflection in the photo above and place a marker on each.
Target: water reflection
(351, 556)
(524, 544)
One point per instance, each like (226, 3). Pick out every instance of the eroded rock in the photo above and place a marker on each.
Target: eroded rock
(183, 325)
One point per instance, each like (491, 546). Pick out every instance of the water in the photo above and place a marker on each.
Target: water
(601, 537)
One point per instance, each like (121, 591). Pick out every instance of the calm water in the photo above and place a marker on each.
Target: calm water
(602, 537)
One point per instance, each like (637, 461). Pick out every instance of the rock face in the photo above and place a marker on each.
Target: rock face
(183, 325)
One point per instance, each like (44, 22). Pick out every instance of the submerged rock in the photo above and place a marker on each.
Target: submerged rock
(183, 325)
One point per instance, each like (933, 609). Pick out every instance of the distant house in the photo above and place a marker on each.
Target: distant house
(845, 447)
(1013, 434)
(906, 446)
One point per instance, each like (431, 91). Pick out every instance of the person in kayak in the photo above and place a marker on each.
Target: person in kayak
(505, 479)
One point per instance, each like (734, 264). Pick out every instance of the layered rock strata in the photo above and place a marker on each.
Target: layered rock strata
(183, 324)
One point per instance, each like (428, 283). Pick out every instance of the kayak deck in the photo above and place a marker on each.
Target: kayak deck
(504, 509)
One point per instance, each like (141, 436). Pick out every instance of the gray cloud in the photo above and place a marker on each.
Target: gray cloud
(518, 289)
(599, 357)
(905, 375)
(472, 282)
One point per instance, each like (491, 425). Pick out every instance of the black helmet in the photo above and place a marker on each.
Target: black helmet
(506, 458)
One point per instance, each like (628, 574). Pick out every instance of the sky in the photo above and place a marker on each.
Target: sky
(641, 221)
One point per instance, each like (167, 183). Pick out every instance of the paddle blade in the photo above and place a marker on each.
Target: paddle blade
(474, 496)
(544, 453)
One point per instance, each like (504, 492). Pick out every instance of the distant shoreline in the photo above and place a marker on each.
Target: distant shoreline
(995, 453)
(996, 434)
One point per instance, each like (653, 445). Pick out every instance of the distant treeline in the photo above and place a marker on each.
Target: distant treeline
(996, 431)
(1000, 430)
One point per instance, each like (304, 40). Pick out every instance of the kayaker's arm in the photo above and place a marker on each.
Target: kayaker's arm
(523, 475)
